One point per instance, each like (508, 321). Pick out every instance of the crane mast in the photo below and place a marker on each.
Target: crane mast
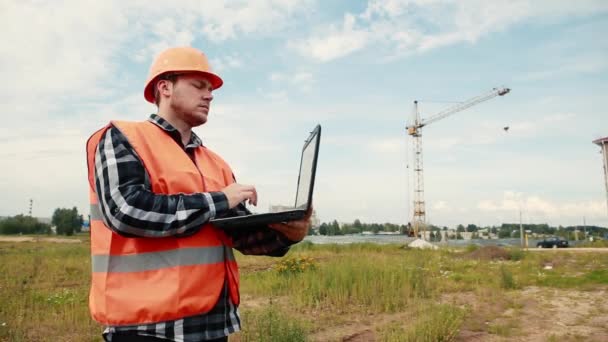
(419, 210)
(415, 130)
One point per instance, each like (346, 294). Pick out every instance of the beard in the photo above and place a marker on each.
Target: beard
(193, 116)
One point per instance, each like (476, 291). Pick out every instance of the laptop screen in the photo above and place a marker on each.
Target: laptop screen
(307, 166)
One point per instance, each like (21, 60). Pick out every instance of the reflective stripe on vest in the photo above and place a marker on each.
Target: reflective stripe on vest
(158, 260)
(147, 280)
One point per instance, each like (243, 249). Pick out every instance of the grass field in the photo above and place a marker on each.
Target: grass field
(359, 292)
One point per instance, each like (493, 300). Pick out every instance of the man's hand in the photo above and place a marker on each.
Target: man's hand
(237, 193)
(294, 230)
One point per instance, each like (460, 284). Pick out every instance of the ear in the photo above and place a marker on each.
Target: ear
(164, 87)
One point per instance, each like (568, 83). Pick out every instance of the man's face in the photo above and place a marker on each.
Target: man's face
(191, 97)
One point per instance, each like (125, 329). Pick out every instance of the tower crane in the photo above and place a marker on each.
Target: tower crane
(415, 130)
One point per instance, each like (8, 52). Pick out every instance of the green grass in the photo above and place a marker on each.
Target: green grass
(595, 244)
(506, 278)
(43, 290)
(359, 278)
(557, 280)
(316, 288)
(432, 323)
(272, 324)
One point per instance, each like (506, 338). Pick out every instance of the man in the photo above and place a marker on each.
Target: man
(160, 271)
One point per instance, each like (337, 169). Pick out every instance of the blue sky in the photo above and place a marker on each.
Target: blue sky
(355, 67)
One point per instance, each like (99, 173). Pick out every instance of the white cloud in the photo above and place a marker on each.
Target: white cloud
(493, 132)
(579, 64)
(392, 145)
(336, 43)
(405, 26)
(226, 19)
(442, 206)
(165, 33)
(226, 62)
(52, 49)
(544, 209)
(276, 96)
(301, 80)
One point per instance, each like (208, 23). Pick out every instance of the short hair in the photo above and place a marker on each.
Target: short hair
(171, 77)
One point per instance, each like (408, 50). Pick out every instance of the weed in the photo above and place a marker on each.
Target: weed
(507, 329)
(472, 248)
(272, 324)
(516, 254)
(434, 323)
(506, 277)
(295, 265)
(62, 297)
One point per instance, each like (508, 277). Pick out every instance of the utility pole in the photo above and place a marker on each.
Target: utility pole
(521, 231)
(585, 228)
(603, 143)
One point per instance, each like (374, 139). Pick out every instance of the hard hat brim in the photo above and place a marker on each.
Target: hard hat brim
(215, 80)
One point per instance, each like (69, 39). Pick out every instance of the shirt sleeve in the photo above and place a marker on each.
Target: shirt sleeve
(257, 240)
(128, 205)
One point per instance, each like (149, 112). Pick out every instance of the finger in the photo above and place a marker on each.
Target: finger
(252, 194)
(245, 187)
(255, 197)
(246, 195)
(279, 226)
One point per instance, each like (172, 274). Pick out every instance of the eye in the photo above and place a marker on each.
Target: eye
(198, 85)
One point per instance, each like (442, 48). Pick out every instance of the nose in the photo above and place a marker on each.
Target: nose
(208, 95)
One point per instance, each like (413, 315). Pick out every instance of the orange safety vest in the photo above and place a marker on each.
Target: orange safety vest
(147, 280)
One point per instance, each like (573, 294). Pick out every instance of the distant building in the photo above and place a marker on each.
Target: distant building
(313, 219)
(86, 226)
(388, 233)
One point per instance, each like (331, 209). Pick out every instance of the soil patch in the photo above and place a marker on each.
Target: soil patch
(489, 253)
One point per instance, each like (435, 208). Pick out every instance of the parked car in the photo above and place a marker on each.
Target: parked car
(552, 242)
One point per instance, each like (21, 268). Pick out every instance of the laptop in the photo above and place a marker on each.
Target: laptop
(304, 189)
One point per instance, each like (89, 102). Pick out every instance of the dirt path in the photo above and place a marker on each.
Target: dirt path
(545, 314)
(535, 314)
(36, 239)
(574, 249)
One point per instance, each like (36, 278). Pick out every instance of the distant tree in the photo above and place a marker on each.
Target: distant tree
(460, 228)
(472, 228)
(375, 228)
(67, 221)
(503, 234)
(323, 229)
(21, 224)
(438, 235)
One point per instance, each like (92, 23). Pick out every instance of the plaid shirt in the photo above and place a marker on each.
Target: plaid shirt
(126, 201)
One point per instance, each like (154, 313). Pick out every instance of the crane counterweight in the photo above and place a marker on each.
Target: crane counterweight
(504, 91)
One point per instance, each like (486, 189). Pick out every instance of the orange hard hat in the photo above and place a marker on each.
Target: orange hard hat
(179, 59)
